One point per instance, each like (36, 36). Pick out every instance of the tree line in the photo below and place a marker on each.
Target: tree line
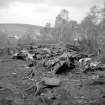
(89, 33)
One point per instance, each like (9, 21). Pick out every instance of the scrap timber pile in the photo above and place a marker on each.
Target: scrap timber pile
(53, 75)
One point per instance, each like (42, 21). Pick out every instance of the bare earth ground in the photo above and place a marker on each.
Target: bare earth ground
(76, 89)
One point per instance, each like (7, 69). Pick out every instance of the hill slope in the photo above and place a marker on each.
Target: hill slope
(9, 32)
(19, 29)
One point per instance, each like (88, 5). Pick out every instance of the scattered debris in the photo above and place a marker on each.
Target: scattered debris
(57, 61)
(51, 81)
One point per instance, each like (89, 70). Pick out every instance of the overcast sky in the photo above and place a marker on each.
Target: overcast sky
(38, 12)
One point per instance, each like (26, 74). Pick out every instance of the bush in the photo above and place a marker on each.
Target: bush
(89, 45)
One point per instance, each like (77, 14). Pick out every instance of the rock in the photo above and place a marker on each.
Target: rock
(51, 81)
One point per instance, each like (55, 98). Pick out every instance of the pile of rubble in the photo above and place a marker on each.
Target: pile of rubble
(58, 60)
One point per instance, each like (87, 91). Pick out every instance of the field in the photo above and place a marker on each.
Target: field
(22, 85)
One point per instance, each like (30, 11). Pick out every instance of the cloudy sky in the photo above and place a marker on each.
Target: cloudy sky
(38, 12)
